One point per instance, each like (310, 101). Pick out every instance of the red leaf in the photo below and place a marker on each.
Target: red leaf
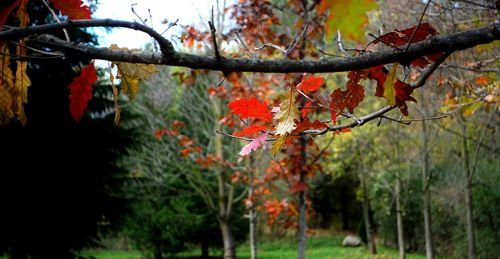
(350, 98)
(310, 84)
(80, 91)
(306, 109)
(249, 130)
(307, 124)
(74, 9)
(400, 38)
(403, 90)
(251, 108)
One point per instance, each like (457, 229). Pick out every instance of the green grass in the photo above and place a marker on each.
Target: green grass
(317, 247)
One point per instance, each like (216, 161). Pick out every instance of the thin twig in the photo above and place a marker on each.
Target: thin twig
(409, 121)
(214, 38)
(240, 138)
(66, 35)
(296, 41)
(418, 25)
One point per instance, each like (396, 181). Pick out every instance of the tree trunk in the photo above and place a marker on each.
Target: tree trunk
(227, 238)
(471, 239)
(252, 213)
(205, 254)
(426, 195)
(399, 217)
(366, 216)
(301, 234)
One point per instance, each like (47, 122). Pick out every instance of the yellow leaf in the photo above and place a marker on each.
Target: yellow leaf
(286, 116)
(6, 82)
(278, 144)
(6, 75)
(131, 75)
(19, 92)
(389, 88)
(348, 16)
(470, 109)
(5, 103)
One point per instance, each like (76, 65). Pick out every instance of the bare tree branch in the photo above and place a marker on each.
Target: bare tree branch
(449, 43)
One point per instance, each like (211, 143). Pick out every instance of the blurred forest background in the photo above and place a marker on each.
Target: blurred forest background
(151, 186)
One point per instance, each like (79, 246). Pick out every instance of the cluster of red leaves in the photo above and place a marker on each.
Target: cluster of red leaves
(80, 91)
(400, 38)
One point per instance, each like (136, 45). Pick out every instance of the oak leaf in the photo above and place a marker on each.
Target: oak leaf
(251, 108)
(74, 9)
(80, 91)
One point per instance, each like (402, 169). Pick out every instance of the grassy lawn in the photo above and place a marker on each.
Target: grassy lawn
(317, 247)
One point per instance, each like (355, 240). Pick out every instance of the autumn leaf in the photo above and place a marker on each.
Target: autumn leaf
(74, 9)
(251, 108)
(278, 144)
(348, 16)
(402, 37)
(20, 90)
(286, 116)
(307, 124)
(399, 38)
(389, 88)
(6, 83)
(254, 145)
(310, 84)
(249, 130)
(131, 75)
(350, 98)
(6, 112)
(81, 91)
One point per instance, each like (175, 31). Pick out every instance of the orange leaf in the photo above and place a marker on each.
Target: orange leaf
(80, 91)
(482, 80)
(310, 84)
(74, 9)
(251, 108)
